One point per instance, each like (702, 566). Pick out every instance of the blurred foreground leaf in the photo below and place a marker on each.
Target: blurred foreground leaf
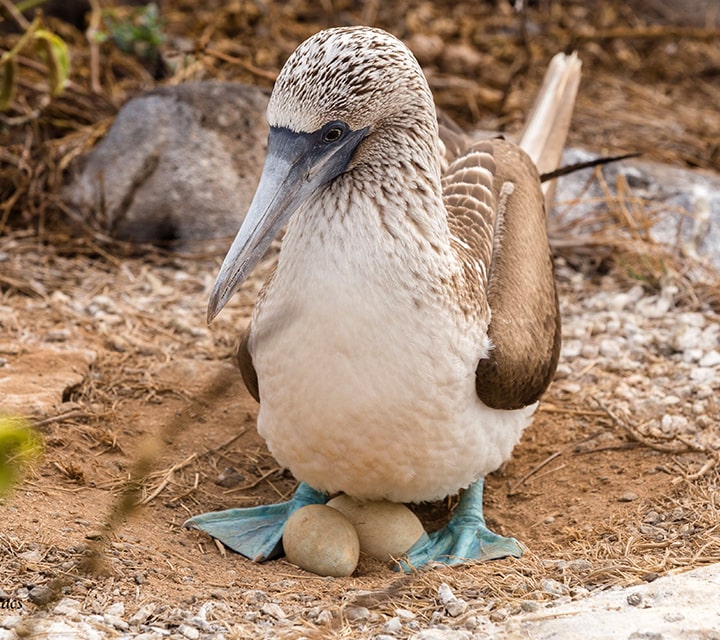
(19, 446)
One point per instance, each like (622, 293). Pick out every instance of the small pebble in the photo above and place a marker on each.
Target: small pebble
(394, 625)
(634, 599)
(143, 614)
(554, 588)
(325, 617)
(273, 610)
(499, 615)
(229, 478)
(67, 607)
(11, 622)
(453, 605)
(116, 621)
(628, 496)
(191, 633)
(116, 609)
(255, 597)
(356, 614)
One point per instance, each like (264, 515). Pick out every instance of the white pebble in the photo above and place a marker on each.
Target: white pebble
(710, 359)
(273, 610)
(571, 349)
(704, 375)
(116, 609)
(405, 614)
(453, 605)
(143, 613)
(191, 633)
(356, 614)
(325, 617)
(554, 588)
(610, 348)
(67, 607)
(394, 625)
(116, 621)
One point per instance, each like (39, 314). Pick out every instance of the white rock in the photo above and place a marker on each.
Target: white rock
(325, 617)
(405, 614)
(116, 609)
(386, 530)
(321, 540)
(67, 607)
(273, 610)
(357, 614)
(11, 622)
(191, 633)
(555, 588)
(571, 349)
(143, 613)
(394, 625)
(704, 375)
(610, 348)
(453, 605)
(710, 359)
(116, 621)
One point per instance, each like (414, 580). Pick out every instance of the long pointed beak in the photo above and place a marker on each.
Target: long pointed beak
(296, 166)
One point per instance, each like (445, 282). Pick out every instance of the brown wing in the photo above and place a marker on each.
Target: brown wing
(247, 370)
(496, 211)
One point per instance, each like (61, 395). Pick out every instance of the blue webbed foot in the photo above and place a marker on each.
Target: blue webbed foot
(255, 532)
(466, 537)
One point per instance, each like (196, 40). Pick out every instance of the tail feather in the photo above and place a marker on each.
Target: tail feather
(548, 124)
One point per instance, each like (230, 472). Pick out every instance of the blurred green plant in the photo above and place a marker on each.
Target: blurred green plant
(50, 47)
(139, 33)
(19, 446)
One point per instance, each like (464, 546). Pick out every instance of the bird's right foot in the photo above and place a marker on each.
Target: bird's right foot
(255, 532)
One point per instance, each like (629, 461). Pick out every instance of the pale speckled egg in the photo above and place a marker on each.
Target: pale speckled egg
(386, 529)
(321, 540)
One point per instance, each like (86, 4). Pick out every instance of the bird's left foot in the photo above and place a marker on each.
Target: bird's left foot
(466, 537)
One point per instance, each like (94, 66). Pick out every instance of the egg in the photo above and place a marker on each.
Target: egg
(386, 530)
(321, 540)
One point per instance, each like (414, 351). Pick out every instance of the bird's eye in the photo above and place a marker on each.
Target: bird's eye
(333, 133)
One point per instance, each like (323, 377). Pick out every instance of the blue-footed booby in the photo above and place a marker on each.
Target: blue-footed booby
(400, 347)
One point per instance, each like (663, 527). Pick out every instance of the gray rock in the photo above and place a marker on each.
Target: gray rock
(180, 164)
(690, 200)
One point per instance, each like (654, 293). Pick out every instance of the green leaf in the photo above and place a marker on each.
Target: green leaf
(19, 445)
(57, 57)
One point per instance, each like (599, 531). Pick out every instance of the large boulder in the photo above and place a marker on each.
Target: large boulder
(179, 165)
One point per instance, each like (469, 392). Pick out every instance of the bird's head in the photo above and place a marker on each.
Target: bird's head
(340, 101)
